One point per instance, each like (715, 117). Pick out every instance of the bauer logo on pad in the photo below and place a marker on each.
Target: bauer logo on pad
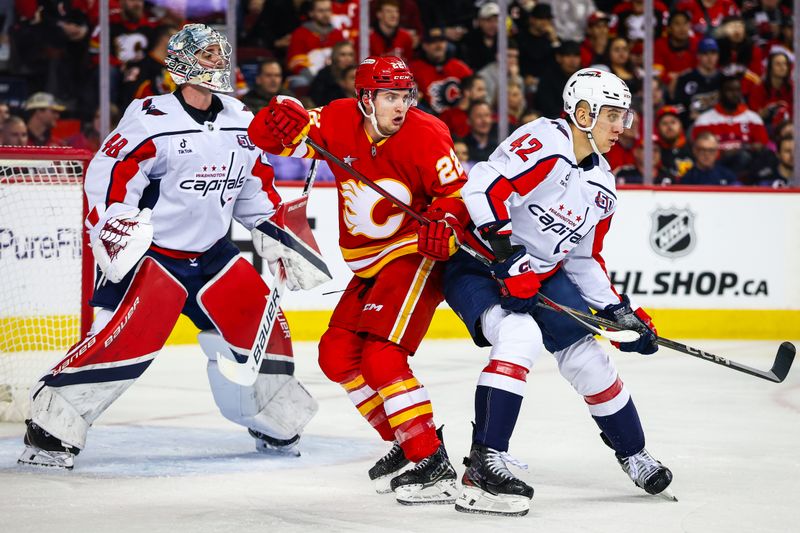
(672, 232)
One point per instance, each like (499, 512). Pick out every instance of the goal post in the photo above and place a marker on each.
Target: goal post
(46, 267)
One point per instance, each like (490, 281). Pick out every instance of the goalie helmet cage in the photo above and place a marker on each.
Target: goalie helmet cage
(46, 267)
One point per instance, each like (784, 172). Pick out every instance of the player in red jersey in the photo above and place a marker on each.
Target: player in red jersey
(388, 305)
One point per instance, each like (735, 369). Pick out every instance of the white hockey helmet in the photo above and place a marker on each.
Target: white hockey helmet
(184, 65)
(598, 88)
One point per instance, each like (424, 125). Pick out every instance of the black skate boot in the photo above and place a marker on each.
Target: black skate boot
(43, 449)
(272, 446)
(432, 480)
(646, 472)
(489, 487)
(388, 467)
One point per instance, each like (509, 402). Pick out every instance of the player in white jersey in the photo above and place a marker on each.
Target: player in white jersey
(162, 192)
(541, 206)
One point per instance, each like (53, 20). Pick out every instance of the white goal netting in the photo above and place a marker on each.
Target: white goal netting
(41, 273)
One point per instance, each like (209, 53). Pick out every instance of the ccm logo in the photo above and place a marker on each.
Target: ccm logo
(373, 307)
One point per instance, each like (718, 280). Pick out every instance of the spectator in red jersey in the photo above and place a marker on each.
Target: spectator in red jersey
(326, 85)
(149, 76)
(736, 48)
(698, 90)
(480, 44)
(131, 29)
(473, 89)
(482, 138)
(776, 88)
(630, 19)
(268, 83)
(345, 17)
(674, 152)
(438, 76)
(675, 52)
(549, 95)
(594, 49)
(43, 113)
(387, 38)
(15, 132)
(311, 44)
(707, 15)
(764, 20)
(410, 18)
(707, 170)
(740, 131)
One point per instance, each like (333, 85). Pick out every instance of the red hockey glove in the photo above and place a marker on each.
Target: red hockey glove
(289, 121)
(519, 284)
(638, 320)
(440, 238)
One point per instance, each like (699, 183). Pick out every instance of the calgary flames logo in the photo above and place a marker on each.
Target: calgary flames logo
(360, 213)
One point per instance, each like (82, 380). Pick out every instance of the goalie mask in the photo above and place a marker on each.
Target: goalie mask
(191, 58)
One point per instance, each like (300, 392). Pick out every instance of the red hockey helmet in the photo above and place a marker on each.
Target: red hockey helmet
(383, 72)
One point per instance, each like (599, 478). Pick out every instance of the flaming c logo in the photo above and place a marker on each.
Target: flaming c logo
(358, 208)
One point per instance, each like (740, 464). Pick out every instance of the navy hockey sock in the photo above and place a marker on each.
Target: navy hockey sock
(496, 414)
(623, 430)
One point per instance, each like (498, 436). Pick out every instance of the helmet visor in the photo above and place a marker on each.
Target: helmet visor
(618, 115)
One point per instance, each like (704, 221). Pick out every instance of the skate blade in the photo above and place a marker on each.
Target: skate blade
(475, 500)
(279, 451)
(43, 458)
(383, 484)
(667, 495)
(441, 492)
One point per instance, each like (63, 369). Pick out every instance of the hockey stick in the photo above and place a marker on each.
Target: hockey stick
(778, 372)
(617, 336)
(246, 373)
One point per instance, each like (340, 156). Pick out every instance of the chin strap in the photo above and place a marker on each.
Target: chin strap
(371, 116)
(588, 130)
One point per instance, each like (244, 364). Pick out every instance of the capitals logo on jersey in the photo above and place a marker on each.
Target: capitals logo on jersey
(150, 109)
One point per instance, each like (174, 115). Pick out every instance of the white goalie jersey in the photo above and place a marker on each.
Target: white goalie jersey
(532, 188)
(195, 177)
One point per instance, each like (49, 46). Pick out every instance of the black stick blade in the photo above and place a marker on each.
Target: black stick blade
(783, 361)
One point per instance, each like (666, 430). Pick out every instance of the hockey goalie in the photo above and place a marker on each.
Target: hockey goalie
(162, 192)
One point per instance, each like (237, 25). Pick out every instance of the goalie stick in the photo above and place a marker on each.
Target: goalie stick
(778, 372)
(246, 373)
(619, 335)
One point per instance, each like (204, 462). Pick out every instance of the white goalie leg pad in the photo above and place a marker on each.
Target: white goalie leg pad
(277, 404)
(50, 410)
(515, 337)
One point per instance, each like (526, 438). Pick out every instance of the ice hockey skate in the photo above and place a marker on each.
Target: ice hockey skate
(387, 467)
(648, 474)
(432, 480)
(43, 449)
(489, 487)
(272, 446)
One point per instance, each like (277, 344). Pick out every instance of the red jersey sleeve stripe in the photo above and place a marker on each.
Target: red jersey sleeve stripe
(528, 180)
(124, 171)
(597, 247)
(267, 176)
(497, 194)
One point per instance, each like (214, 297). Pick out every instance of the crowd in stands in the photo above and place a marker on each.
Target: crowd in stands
(722, 82)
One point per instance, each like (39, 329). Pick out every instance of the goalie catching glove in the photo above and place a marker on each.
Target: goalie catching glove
(274, 241)
(638, 321)
(122, 242)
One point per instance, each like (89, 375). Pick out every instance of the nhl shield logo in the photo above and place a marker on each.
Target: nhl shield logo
(672, 233)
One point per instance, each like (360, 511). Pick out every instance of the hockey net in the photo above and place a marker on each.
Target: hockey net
(46, 268)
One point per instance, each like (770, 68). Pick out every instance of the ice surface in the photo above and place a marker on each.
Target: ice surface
(163, 459)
